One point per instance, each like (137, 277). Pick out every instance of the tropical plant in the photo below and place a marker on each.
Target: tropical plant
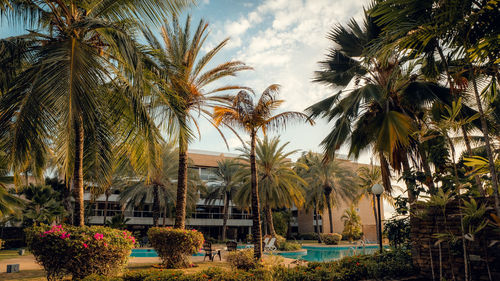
(329, 183)
(382, 112)
(118, 222)
(9, 203)
(352, 224)
(253, 117)
(58, 101)
(279, 184)
(225, 188)
(181, 96)
(159, 187)
(43, 205)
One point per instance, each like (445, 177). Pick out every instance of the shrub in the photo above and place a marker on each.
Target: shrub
(331, 238)
(79, 251)
(289, 246)
(1, 243)
(279, 240)
(174, 246)
(242, 259)
(309, 236)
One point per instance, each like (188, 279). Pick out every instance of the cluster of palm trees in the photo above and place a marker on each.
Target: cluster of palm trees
(417, 80)
(83, 96)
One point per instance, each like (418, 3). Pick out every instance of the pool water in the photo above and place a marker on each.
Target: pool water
(318, 253)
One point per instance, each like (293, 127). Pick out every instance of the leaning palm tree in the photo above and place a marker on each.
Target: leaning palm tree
(226, 187)
(336, 181)
(181, 96)
(76, 47)
(279, 184)
(253, 117)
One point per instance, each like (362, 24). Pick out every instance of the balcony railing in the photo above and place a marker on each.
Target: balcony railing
(149, 214)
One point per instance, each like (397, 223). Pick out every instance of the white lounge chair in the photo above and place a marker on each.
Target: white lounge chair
(270, 246)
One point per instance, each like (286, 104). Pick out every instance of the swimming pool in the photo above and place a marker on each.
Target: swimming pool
(319, 253)
(312, 253)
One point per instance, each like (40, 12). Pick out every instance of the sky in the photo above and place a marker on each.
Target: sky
(283, 40)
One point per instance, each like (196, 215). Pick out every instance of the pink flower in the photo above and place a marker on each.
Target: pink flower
(105, 244)
(98, 236)
(65, 235)
(85, 245)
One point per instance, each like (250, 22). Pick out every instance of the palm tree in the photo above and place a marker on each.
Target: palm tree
(9, 203)
(42, 205)
(253, 117)
(159, 185)
(181, 95)
(383, 110)
(78, 46)
(367, 178)
(352, 223)
(226, 172)
(336, 181)
(279, 185)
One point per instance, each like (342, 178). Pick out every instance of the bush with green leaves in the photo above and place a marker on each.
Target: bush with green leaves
(331, 238)
(175, 246)
(309, 236)
(398, 231)
(79, 251)
(242, 259)
(289, 246)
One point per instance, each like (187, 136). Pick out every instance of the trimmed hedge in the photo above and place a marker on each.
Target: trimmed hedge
(79, 251)
(331, 238)
(384, 266)
(175, 246)
(242, 259)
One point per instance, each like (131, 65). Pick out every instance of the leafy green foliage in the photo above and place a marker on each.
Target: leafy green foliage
(242, 259)
(79, 251)
(398, 231)
(331, 238)
(352, 224)
(174, 246)
(42, 205)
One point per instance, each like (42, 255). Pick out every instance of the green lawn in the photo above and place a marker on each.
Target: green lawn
(10, 254)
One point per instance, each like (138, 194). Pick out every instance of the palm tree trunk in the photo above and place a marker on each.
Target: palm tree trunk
(491, 161)
(180, 207)
(427, 169)
(316, 227)
(328, 191)
(469, 153)
(374, 200)
(165, 216)
(270, 224)
(156, 204)
(225, 215)
(105, 214)
(256, 227)
(79, 215)
(386, 173)
(410, 183)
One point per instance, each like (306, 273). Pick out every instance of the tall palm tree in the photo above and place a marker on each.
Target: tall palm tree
(181, 96)
(336, 181)
(226, 172)
(78, 46)
(252, 117)
(382, 110)
(158, 186)
(367, 178)
(279, 184)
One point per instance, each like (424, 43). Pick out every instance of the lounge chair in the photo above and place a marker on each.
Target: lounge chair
(231, 246)
(209, 252)
(270, 246)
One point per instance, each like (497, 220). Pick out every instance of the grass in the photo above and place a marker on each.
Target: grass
(9, 254)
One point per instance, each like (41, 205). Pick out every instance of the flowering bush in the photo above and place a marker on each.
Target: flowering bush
(242, 259)
(331, 238)
(79, 251)
(174, 246)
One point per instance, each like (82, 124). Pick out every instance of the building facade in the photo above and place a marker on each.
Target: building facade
(209, 218)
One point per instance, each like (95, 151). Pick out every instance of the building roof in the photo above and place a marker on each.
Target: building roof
(202, 158)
